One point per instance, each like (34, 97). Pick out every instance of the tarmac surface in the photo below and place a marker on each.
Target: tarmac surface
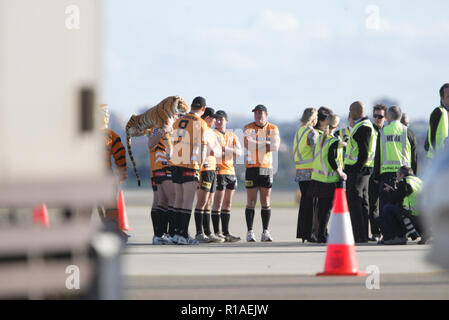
(282, 270)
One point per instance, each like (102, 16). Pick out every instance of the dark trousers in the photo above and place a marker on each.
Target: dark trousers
(391, 222)
(384, 197)
(305, 213)
(324, 211)
(358, 203)
(373, 192)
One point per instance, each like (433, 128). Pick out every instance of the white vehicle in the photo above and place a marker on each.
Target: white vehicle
(434, 207)
(51, 142)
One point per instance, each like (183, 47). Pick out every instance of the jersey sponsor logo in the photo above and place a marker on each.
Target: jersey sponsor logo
(206, 184)
(160, 174)
(190, 174)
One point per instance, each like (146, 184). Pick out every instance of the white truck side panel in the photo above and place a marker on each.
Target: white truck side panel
(43, 67)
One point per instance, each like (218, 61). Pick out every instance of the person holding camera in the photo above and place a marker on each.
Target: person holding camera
(400, 219)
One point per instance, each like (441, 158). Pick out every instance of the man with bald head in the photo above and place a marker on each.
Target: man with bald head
(359, 163)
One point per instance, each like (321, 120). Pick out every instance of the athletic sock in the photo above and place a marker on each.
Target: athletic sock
(249, 214)
(206, 222)
(178, 221)
(186, 214)
(199, 220)
(216, 221)
(163, 214)
(155, 219)
(171, 221)
(225, 217)
(265, 214)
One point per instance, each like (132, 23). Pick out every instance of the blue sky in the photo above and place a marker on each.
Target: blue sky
(288, 55)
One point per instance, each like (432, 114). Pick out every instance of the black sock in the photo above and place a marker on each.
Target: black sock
(216, 221)
(171, 221)
(178, 221)
(249, 214)
(163, 214)
(265, 214)
(206, 223)
(186, 214)
(155, 220)
(199, 221)
(225, 217)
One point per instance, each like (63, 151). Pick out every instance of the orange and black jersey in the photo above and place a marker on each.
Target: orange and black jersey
(210, 164)
(258, 156)
(228, 140)
(114, 149)
(158, 155)
(189, 133)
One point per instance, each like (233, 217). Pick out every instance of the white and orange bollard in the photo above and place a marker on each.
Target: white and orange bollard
(341, 257)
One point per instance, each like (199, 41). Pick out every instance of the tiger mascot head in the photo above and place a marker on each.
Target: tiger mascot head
(156, 117)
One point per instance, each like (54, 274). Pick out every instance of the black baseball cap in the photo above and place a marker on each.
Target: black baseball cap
(210, 112)
(261, 108)
(221, 114)
(198, 102)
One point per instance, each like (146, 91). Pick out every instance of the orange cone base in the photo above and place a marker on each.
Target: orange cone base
(341, 261)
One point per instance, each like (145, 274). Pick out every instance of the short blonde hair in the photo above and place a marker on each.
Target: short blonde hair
(308, 116)
(333, 120)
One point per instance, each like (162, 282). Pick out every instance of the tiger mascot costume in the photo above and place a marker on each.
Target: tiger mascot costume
(156, 117)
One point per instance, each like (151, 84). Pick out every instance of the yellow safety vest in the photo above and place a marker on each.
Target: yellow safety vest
(395, 149)
(352, 148)
(410, 202)
(322, 170)
(442, 134)
(303, 153)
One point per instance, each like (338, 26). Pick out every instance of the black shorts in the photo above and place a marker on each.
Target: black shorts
(182, 175)
(226, 181)
(162, 175)
(208, 181)
(259, 177)
(153, 185)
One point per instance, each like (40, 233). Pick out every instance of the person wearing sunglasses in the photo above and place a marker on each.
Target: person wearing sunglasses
(379, 113)
(396, 148)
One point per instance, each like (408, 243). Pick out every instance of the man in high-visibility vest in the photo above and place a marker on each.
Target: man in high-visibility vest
(379, 113)
(359, 163)
(400, 219)
(438, 124)
(396, 148)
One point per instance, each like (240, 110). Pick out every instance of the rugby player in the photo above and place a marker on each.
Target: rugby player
(226, 179)
(207, 184)
(163, 200)
(261, 139)
(189, 154)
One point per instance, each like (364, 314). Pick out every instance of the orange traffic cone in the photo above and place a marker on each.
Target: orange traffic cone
(122, 216)
(40, 216)
(341, 257)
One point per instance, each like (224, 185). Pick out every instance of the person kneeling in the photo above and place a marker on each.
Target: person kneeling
(400, 219)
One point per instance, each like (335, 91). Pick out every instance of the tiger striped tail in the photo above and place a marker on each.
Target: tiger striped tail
(128, 145)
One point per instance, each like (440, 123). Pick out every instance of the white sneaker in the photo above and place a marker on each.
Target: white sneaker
(250, 236)
(202, 238)
(266, 236)
(220, 235)
(192, 241)
(178, 239)
(171, 240)
(215, 238)
(159, 241)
